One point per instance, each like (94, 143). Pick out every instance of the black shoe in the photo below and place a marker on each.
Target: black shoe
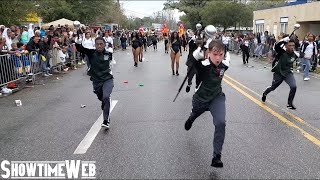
(188, 124)
(135, 64)
(140, 60)
(291, 106)
(177, 73)
(188, 88)
(105, 125)
(264, 97)
(216, 161)
(173, 72)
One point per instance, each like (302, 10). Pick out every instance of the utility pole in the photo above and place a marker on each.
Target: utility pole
(118, 14)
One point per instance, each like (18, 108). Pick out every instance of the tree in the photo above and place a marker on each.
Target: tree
(87, 12)
(192, 9)
(226, 13)
(221, 13)
(14, 11)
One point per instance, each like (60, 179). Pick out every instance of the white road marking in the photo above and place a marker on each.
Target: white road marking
(91, 135)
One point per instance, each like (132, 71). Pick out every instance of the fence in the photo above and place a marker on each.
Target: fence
(14, 67)
(235, 46)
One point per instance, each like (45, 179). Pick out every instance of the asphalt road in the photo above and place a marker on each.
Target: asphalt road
(147, 139)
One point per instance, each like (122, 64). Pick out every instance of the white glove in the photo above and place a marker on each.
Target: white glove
(110, 50)
(286, 39)
(207, 43)
(198, 54)
(226, 61)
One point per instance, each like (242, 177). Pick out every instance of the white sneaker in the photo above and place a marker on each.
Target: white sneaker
(306, 79)
(0, 94)
(5, 90)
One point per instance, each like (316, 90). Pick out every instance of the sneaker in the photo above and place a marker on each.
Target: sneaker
(216, 161)
(49, 74)
(45, 75)
(5, 90)
(0, 94)
(306, 79)
(291, 106)
(105, 125)
(264, 97)
(188, 88)
(188, 124)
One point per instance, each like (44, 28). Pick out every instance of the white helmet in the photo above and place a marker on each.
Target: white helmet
(198, 26)
(210, 31)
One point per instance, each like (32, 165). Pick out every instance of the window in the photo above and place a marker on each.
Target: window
(284, 25)
(259, 25)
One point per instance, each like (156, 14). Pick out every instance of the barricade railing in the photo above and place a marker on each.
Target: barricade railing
(18, 65)
(234, 46)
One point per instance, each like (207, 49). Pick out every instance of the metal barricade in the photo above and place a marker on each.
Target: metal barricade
(8, 71)
(18, 65)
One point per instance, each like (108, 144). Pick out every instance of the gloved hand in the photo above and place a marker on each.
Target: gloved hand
(286, 39)
(198, 54)
(110, 50)
(207, 43)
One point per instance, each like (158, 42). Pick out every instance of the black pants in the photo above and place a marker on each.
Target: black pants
(217, 107)
(278, 79)
(192, 71)
(103, 91)
(245, 54)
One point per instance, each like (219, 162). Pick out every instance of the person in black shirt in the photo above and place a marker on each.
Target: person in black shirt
(154, 42)
(135, 40)
(175, 52)
(123, 40)
(141, 46)
(210, 96)
(166, 42)
(283, 70)
(99, 70)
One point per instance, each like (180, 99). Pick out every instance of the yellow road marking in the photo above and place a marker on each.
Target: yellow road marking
(277, 115)
(296, 118)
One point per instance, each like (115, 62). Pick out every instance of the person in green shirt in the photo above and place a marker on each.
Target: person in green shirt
(99, 68)
(209, 95)
(283, 70)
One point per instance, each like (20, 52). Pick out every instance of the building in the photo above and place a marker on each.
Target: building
(282, 19)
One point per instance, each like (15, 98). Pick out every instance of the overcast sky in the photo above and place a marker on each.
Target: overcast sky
(143, 8)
